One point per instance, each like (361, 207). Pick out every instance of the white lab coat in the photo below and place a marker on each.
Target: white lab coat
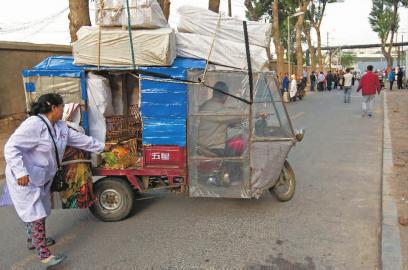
(30, 151)
(293, 89)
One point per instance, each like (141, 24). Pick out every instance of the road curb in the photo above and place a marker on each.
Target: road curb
(390, 233)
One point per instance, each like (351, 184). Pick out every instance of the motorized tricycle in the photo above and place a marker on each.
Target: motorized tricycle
(188, 134)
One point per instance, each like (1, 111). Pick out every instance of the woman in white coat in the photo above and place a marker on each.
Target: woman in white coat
(31, 166)
(293, 88)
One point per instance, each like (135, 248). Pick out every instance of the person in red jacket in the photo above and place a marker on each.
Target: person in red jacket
(370, 85)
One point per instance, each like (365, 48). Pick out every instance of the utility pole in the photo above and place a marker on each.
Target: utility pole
(399, 59)
(229, 8)
(330, 51)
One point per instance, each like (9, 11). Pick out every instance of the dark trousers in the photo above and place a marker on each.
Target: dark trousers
(321, 86)
(391, 83)
(399, 83)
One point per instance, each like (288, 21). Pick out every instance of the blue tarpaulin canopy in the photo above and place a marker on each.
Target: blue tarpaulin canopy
(163, 104)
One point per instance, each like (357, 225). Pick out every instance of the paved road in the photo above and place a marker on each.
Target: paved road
(332, 223)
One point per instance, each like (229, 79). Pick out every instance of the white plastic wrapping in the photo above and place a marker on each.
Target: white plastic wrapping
(224, 52)
(99, 105)
(68, 88)
(203, 21)
(151, 47)
(143, 13)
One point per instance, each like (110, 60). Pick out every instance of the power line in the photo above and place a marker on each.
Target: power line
(27, 25)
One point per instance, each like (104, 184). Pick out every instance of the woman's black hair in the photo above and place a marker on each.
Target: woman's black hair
(44, 103)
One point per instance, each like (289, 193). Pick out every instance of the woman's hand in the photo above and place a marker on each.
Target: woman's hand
(107, 147)
(23, 181)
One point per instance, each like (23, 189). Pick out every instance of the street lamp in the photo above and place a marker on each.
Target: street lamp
(290, 16)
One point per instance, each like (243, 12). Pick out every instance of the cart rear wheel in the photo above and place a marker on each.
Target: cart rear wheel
(284, 188)
(114, 199)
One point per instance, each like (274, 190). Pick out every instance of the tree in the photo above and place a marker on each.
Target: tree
(276, 11)
(316, 11)
(277, 41)
(312, 52)
(347, 60)
(384, 20)
(302, 4)
(165, 6)
(214, 5)
(78, 16)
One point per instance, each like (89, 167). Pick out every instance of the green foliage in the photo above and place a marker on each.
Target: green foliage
(347, 59)
(382, 20)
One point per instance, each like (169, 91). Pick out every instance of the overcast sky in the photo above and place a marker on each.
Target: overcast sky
(45, 21)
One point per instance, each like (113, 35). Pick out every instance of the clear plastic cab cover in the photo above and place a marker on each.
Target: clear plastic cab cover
(223, 128)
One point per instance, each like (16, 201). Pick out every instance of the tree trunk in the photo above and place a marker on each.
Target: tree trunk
(299, 51)
(214, 5)
(319, 48)
(387, 56)
(78, 16)
(319, 37)
(165, 6)
(276, 38)
(251, 10)
(299, 29)
(312, 52)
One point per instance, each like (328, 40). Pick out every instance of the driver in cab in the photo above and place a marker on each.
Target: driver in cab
(212, 131)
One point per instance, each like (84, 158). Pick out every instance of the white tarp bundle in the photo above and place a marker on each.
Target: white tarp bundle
(202, 21)
(224, 52)
(143, 13)
(111, 47)
(99, 105)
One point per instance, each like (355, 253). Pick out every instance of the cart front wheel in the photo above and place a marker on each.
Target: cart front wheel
(284, 188)
(114, 199)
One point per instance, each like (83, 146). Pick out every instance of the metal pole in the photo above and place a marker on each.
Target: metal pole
(398, 55)
(289, 49)
(229, 8)
(251, 95)
(248, 55)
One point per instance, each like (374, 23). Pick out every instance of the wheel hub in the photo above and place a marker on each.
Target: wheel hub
(110, 199)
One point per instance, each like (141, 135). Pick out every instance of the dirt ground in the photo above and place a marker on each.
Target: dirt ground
(398, 116)
(7, 127)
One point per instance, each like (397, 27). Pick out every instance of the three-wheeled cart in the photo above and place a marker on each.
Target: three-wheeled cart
(182, 117)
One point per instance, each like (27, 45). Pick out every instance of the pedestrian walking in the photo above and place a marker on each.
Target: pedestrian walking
(341, 79)
(293, 88)
(330, 80)
(312, 80)
(285, 83)
(400, 75)
(31, 155)
(321, 80)
(353, 80)
(348, 77)
(370, 85)
(391, 78)
(336, 79)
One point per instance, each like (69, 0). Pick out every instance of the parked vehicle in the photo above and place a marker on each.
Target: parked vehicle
(163, 130)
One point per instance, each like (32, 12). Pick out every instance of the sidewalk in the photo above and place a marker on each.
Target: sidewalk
(397, 176)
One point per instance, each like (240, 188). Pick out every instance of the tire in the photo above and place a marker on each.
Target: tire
(116, 189)
(284, 189)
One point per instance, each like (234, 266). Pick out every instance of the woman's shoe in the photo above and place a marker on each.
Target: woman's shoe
(48, 242)
(53, 260)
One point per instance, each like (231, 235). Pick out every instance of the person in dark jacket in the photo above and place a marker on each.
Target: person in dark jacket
(312, 80)
(391, 78)
(285, 83)
(330, 80)
(370, 85)
(400, 75)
